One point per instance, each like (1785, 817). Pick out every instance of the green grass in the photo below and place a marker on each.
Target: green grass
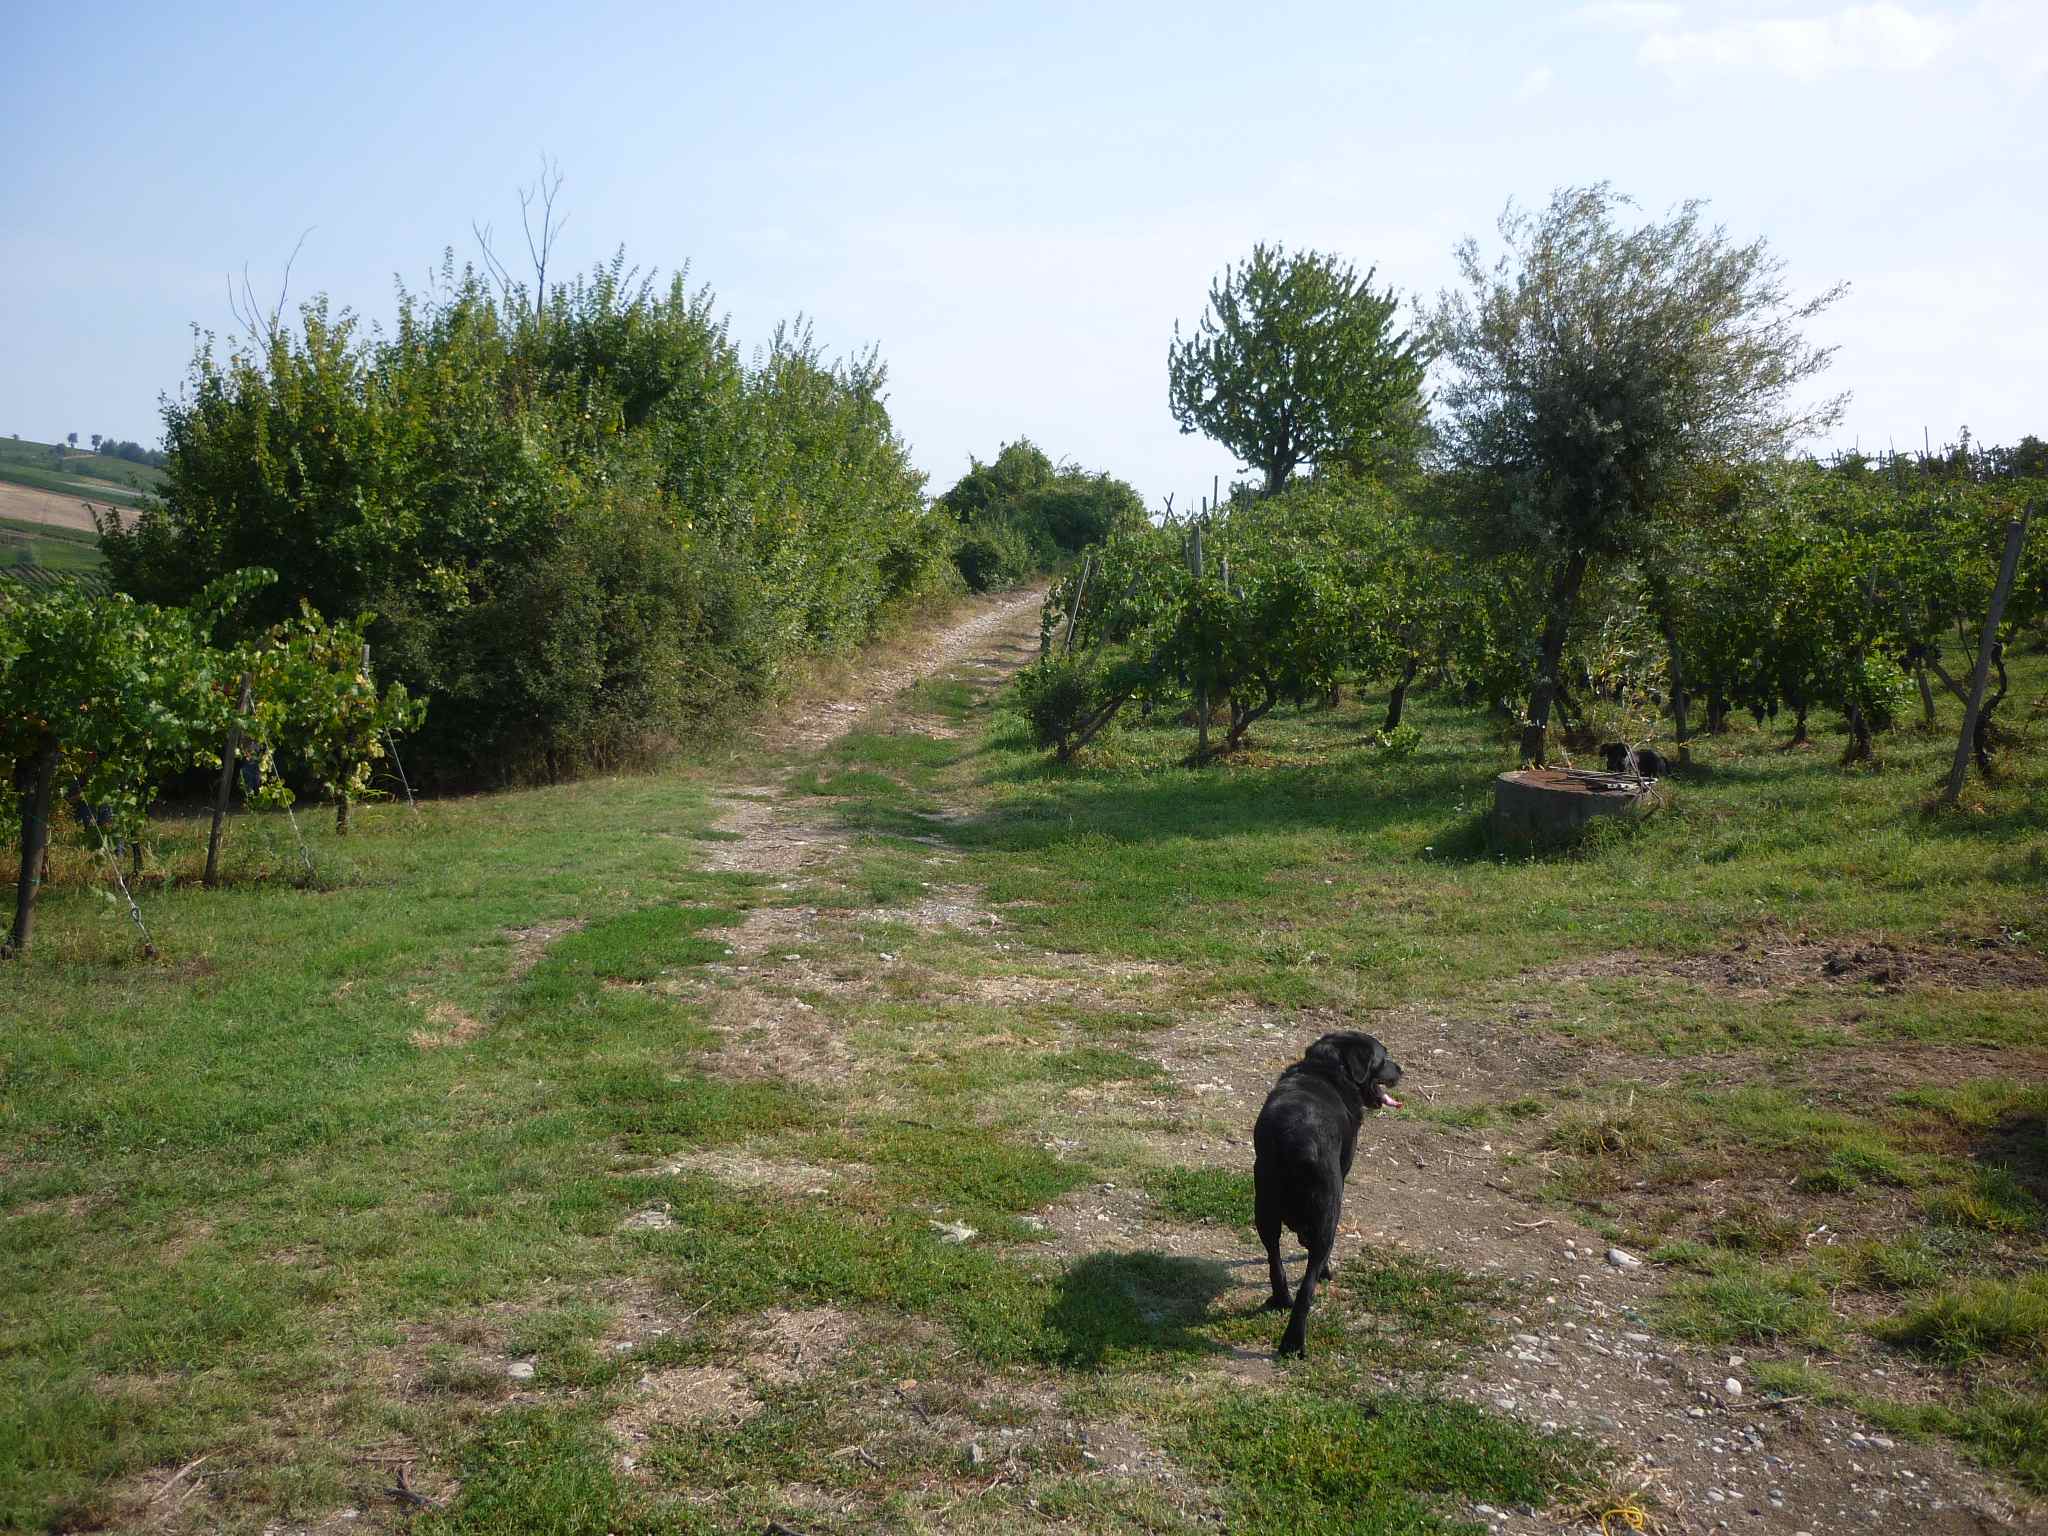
(308, 1181)
(55, 549)
(68, 482)
(227, 1169)
(1999, 1427)
(1216, 1196)
(1749, 1303)
(539, 1470)
(1986, 1317)
(1383, 1465)
(1477, 1117)
(37, 556)
(1317, 868)
(1993, 1200)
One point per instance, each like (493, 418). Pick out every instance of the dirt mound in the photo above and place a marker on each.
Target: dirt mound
(1778, 964)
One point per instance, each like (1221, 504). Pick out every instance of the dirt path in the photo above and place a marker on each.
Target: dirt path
(1686, 1422)
(770, 840)
(1576, 1351)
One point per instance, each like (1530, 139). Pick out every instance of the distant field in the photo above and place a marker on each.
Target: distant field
(60, 549)
(52, 509)
(36, 555)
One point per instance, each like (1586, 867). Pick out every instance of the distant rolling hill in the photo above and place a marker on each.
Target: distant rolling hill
(47, 496)
(97, 477)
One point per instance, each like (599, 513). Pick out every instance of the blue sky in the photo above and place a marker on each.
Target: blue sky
(1016, 203)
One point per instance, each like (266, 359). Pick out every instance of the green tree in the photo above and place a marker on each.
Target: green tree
(313, 693)
(585, 522)
(1020, 514)
(1596, 368)
(1297, 362)
(1018, 469)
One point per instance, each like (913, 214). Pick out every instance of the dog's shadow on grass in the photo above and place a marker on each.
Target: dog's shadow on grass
(1124, 1308)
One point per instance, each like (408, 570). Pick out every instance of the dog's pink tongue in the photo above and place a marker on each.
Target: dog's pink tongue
(1389, 1100)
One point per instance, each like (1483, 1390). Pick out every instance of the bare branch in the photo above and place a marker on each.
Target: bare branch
(262, 325)
(538, 248)
(492, 264)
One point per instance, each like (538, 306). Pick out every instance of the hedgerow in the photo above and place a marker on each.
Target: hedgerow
(585, 524)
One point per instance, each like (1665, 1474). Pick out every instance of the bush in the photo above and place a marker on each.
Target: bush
(586, 525)
(995, 553)
(1068, 699)
(1880, 688)
(1019, 515)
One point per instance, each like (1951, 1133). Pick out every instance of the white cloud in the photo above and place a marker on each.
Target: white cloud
(1883, 37)
(1535, 83)
(1627, 15)
(2012, 35)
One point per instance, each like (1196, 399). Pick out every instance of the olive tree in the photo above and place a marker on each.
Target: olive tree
(1297, 361)
(1594, 369)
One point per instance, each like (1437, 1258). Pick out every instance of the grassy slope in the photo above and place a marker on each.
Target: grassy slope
(248, 1215)
(55, 549)
(1902, 1115)
(95, 476)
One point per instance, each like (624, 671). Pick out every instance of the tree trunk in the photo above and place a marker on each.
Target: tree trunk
(1972, 736)
(1717, 712)
(1990, 708)
(229, 753)
(1926, 692)
(1243, 716)
(1670, 628)
(1397, 698)
(1799, 736)
(341, 816)
(37, 778)
(1564, 596)
(1861, 748)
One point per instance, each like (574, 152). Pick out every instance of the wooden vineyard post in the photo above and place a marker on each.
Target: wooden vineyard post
(229, 752)
(2015, 537)
(341, 796)
(1202, 689)
(1074, 613)
(37, 787)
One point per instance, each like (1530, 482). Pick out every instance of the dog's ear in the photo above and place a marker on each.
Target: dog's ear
(1328, 1053)
(1363, 1058)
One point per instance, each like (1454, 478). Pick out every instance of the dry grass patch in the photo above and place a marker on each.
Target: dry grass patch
(447, 1025)
(1771, 963)
(531, 942)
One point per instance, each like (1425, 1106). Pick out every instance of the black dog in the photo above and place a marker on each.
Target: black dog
(1304, 1140)
(1644, 762)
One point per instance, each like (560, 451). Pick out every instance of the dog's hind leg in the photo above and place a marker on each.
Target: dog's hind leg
(1295, 1340)
(1266, 1215)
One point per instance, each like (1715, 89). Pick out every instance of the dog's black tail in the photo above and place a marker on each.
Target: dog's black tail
(1295, 1340)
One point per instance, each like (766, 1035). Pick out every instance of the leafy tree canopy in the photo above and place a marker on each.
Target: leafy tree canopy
(1297, 362)
(1020, 515)
(1595, 369)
